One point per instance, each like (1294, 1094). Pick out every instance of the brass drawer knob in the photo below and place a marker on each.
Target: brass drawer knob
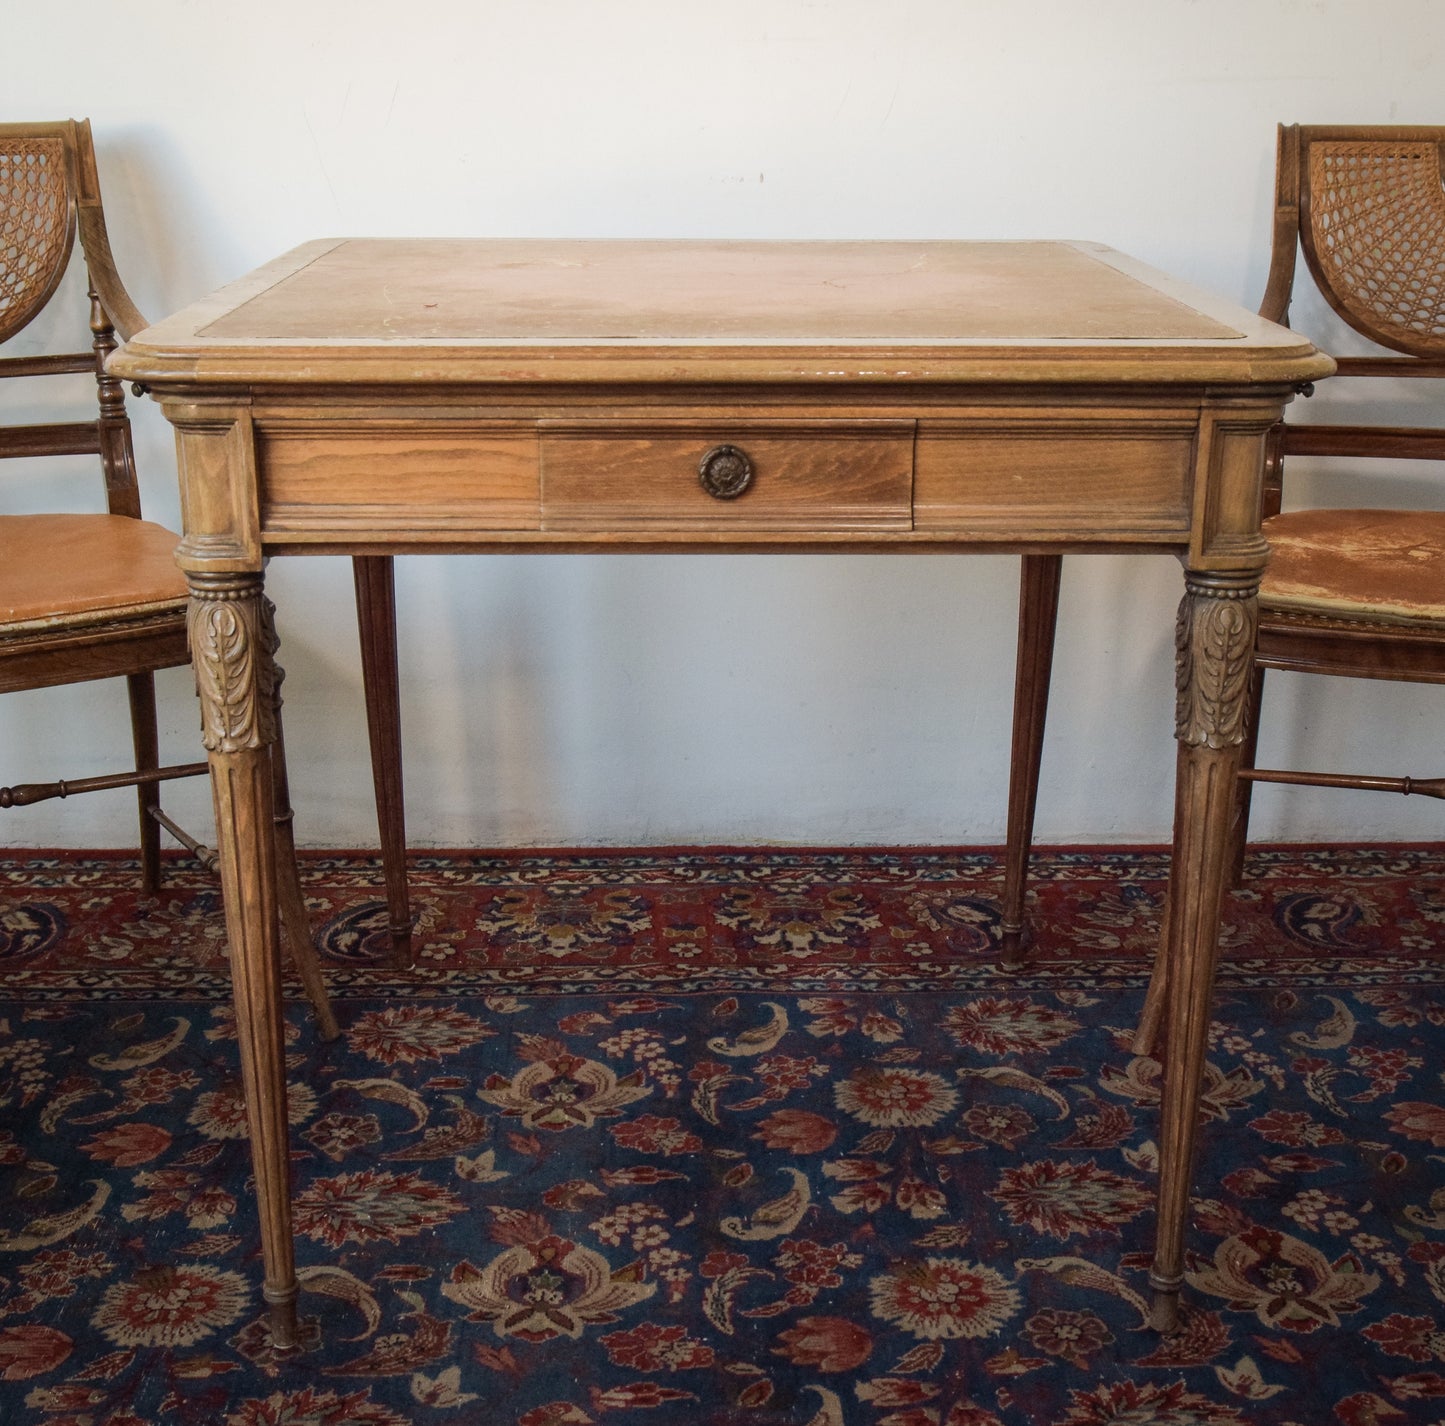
(725, 472)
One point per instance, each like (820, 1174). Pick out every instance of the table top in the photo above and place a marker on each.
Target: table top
(441, 309)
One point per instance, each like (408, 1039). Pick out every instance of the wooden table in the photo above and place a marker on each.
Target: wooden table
(378, 397)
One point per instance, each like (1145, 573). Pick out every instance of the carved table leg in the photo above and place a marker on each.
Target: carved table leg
(1215, 645)
(231, 654)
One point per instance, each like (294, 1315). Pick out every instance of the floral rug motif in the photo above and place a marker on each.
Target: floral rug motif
(745, 1138)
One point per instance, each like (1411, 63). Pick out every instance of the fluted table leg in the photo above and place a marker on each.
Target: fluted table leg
(1214, 650)
(231, 653)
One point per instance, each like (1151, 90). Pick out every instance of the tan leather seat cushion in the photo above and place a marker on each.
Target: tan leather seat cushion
(1386, 565)
(54, 569)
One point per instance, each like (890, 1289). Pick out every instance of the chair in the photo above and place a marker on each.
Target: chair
(1357, 593)
(88, 596)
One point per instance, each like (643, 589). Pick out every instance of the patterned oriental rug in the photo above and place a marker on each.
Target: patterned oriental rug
(743, 1138)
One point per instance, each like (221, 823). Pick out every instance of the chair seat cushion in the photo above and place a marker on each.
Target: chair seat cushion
(1386, 566)
(66, 569)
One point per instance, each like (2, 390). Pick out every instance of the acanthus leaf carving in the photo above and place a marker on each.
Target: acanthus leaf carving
(1214, 644)
(232, 639)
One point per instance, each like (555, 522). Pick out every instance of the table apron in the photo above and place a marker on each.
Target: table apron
(1075, 474)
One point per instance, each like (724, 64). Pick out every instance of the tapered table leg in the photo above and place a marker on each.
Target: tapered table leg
(288, 874)
(231, 654)
(1038, 616)
(1151, 1018)
(375, 580)
(1215, 647)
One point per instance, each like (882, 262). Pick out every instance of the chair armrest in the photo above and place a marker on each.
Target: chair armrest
(1365, 442)
(95, 242)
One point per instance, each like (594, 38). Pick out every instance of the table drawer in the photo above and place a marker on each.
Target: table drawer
(313, 476)
(1086, 475)
(826, 475)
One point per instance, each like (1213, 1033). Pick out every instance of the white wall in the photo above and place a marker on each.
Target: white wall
(673, 699)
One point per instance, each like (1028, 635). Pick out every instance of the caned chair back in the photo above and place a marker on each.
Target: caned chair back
(1372, 226)
(49, 194)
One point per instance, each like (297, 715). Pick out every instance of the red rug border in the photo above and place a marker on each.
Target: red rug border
(740, 848)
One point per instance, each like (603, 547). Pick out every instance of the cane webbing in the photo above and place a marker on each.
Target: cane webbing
(1377, 225)
(35, 228)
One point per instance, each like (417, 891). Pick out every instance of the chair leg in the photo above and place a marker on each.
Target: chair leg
(288, 889)
(374, 577)
(1244, 789)
(142, 690)
(1039, 577)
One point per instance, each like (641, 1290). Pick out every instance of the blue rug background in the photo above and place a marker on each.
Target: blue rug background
(731, 1137)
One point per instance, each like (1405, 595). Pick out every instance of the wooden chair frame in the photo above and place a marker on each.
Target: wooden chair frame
(136, 643)
(1368, 268)
(54, 163)
(133, 643)
(1351, 647)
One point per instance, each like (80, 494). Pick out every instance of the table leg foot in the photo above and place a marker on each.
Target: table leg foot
(284, 1323)
(1164, 1304)
(401, 948)
(1013, 942)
